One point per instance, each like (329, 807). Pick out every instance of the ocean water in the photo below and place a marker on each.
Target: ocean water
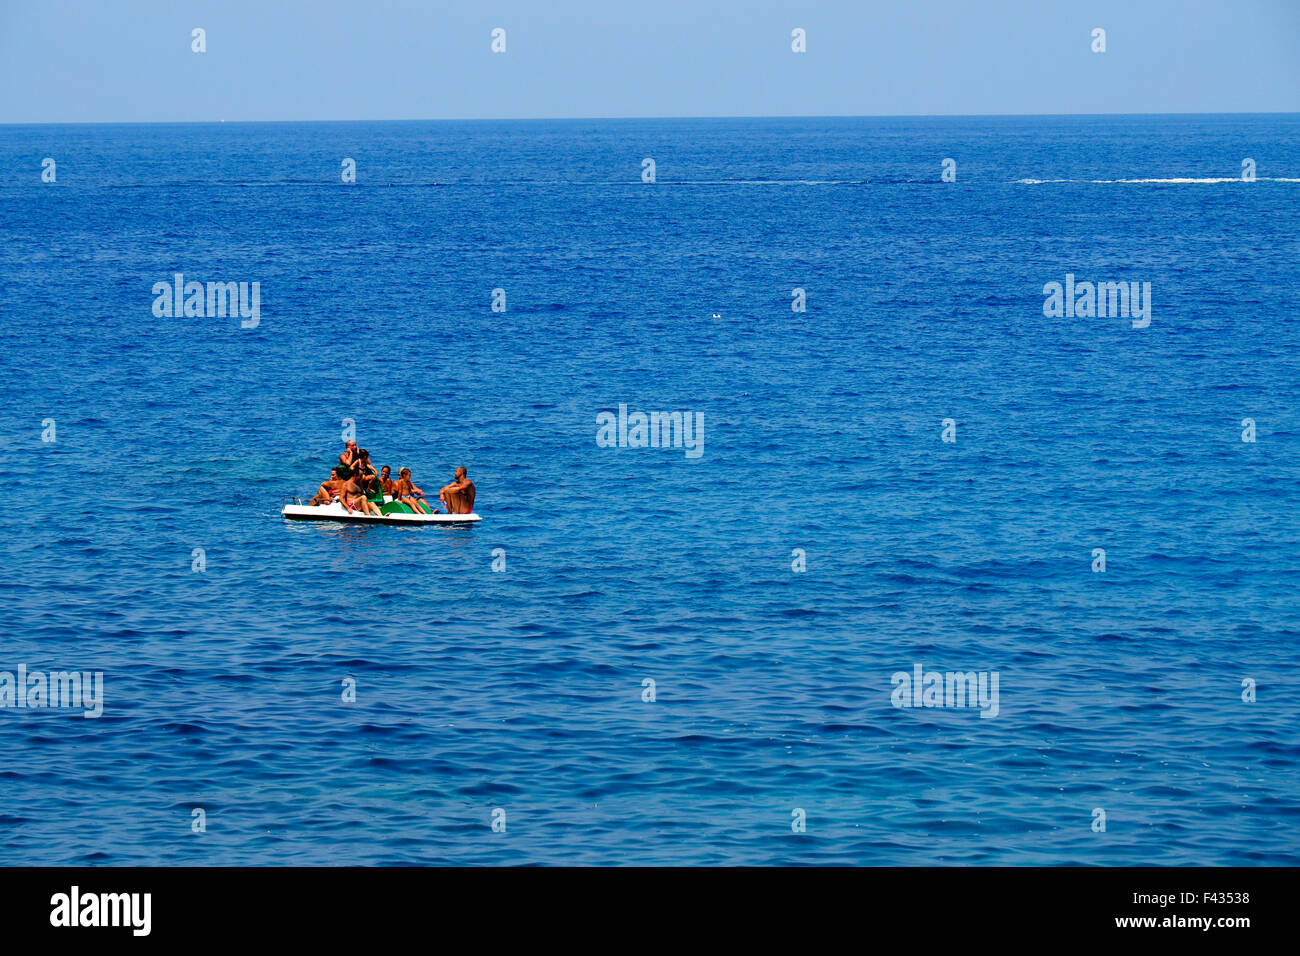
(145, 540)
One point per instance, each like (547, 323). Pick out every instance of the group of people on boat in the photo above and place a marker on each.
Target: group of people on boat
(356, 485)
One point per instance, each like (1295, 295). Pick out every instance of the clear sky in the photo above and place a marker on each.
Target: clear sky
(131, 60)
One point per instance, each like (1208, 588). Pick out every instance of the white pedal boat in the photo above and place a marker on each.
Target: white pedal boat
(336, 512)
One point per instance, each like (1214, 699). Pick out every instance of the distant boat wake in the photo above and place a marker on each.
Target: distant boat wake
(669, 183)
(1179, 180)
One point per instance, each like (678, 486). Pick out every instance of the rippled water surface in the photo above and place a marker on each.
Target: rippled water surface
(522, 690)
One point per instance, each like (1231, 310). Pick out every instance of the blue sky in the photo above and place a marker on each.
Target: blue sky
(130, 60)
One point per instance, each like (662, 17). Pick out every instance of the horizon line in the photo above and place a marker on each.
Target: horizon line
(579, 119)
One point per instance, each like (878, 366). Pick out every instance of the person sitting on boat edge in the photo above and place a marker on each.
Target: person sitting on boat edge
(458, 497)
(408, 494)
(356, 494)
(386, 481)
(330, 489)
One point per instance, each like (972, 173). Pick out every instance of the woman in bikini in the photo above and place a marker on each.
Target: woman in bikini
(363, 462)
(370, 481)
(408, 494)
(329, 490)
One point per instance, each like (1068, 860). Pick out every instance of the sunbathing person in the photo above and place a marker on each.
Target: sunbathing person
(355, 495)
(458, 497)
(386, 481)
(408, 494)
(329, 490)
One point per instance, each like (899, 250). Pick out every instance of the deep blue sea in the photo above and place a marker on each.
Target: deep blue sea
(145, 540)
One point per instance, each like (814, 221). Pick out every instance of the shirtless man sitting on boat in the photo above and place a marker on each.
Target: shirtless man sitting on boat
(458, 497)
(348, 459)
(357, 493)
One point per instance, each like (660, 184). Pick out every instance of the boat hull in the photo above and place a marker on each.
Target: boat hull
(336, 512)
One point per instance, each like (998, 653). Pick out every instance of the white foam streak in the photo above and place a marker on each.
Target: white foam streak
(1177, 181)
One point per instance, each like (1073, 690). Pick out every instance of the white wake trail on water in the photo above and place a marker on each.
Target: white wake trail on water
(1177, 180)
